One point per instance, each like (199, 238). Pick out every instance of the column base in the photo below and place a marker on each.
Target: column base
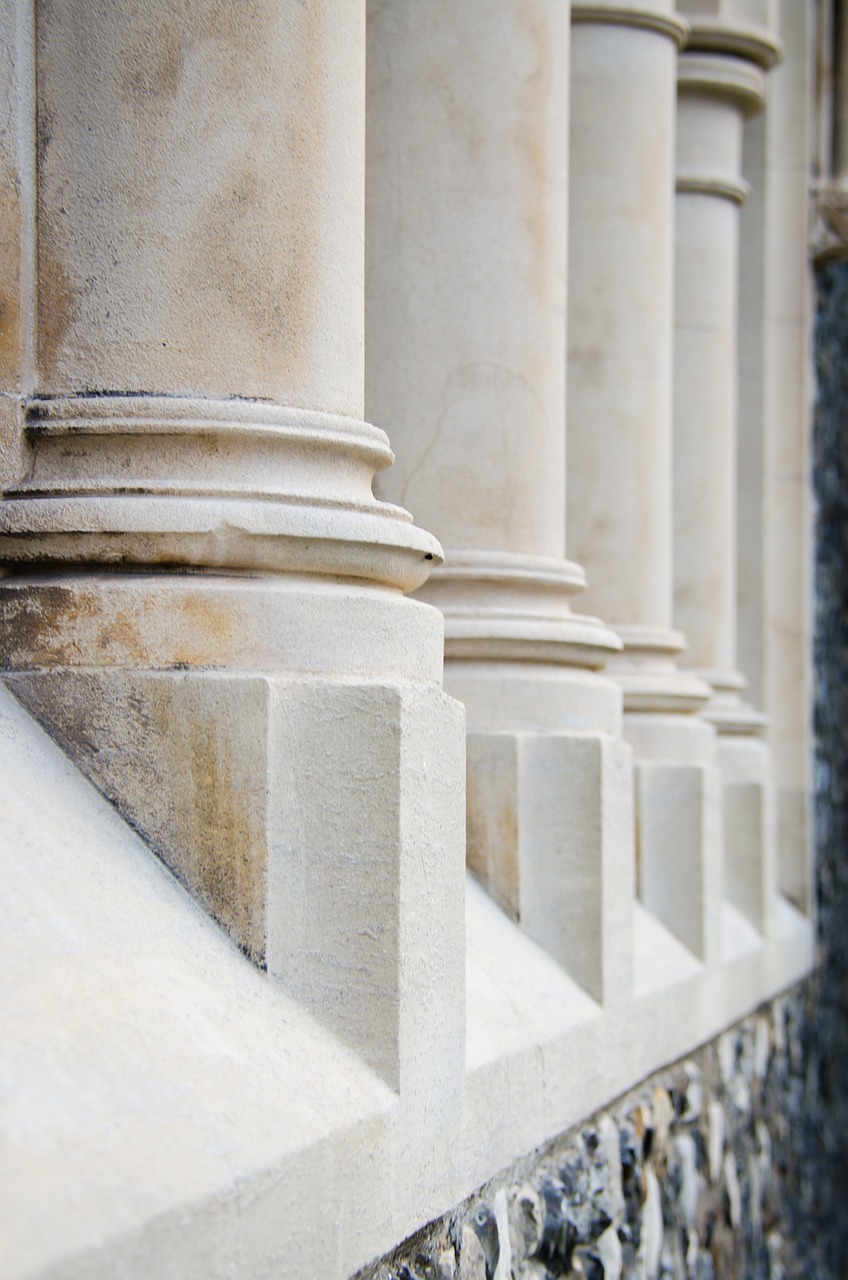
(306, 789)
(649, 676)
(515, 608)
(549, 779)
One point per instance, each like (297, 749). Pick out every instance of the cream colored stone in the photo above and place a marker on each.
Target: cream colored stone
(377, 948)
(174, 137)
(624, 75)
(155, 1058)
(465, 327)
(787, 399)
(242, 713)
(465, 257)
(716, 93)
(549, 825)
(679, 874)
(750, 851)
(17, 231)
(175, 1111)
(751, 539)
(231, 485)
(236, 1134)
(620, 323)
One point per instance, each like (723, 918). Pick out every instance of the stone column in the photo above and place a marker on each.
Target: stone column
(205, 606)
(720, 83)
(620, 338)
(465, 357)
(774, 554)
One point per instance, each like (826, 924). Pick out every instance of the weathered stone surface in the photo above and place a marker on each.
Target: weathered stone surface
(696, 1174)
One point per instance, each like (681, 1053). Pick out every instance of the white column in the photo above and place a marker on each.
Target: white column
(205, 606)
(720, 83)
(465, 359)
(774, 551)
(620, 330)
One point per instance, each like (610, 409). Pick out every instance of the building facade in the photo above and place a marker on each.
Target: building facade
(351, 857)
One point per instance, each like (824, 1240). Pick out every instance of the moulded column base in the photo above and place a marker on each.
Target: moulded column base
(550, 836)
(318, 816)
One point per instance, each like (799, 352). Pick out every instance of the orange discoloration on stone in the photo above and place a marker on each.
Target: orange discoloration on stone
(492, 842)
(225, 847)
(173, 761)
(209, 628)
(55, 625)
(122, 636)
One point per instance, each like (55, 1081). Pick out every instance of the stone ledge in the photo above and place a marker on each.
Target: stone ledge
(280, 1148)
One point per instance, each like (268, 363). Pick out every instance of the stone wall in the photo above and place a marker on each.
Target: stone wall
(704, 1171)
(734, 1162)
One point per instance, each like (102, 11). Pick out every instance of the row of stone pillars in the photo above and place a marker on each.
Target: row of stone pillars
(205, 602)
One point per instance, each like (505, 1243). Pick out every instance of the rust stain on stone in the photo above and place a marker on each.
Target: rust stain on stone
(170, 760)
(10, 335)
(211, 632)
(121, 637)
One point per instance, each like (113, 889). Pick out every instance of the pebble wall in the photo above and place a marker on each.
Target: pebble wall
(734, 1163)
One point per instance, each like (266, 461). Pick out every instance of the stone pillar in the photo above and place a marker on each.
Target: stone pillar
(774, 552)
(620, 338)
(205, 601)
(465, 358)
(720, 83)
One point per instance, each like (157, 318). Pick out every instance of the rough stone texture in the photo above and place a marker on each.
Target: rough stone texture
(730, 1163)
(695, 1174)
